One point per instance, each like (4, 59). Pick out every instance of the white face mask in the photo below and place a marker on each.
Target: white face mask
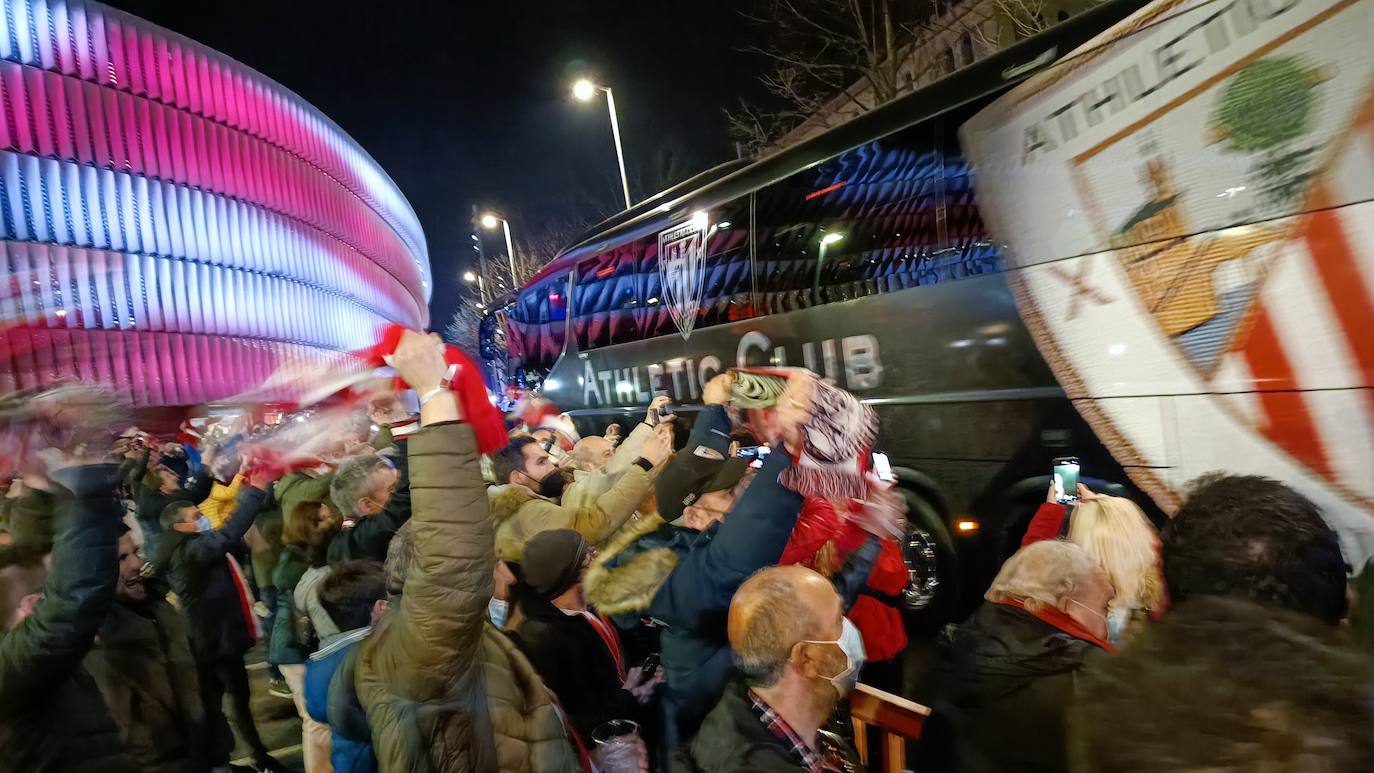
(852, 645)
(497, 611)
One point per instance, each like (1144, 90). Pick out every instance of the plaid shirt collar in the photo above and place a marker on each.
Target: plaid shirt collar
(778, 726)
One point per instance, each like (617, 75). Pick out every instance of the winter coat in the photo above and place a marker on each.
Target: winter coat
(589, 486)
(307, 597)
(149, 502)
(285, 645)
(143, 666)
(520, 513)
(197, 569)
(52, 716)
(30, 519)
(443, 691)
(685, 580)
(822, 541)
(1001, 684)
(330, 698)
(299, 487)
(576, 665)
(369, 537)
(733, 739)
(219, 505)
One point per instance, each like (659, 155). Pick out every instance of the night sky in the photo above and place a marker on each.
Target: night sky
(468, 103)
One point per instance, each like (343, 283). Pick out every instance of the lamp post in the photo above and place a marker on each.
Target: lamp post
(489, 221)
(826, 241)
(470, 277)
(584, 90)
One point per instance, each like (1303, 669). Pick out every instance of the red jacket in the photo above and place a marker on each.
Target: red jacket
(1048, 523)
(879, 624)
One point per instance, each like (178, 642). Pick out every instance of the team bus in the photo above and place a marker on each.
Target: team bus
(1144, 239)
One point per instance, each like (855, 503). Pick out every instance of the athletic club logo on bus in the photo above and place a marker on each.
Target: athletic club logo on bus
(1221, 251)
(682, 270)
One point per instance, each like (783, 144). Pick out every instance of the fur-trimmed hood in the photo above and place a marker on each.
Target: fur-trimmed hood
(627, 573)
(506, 500)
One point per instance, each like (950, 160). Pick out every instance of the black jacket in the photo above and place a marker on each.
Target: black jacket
(733, 740)
(1001, 684)
(198, 572)
(369, 537)
(575, 663)
(52, 717)
(143, 666)
(149, 502)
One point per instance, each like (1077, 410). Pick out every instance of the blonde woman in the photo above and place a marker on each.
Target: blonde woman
(1118, 535)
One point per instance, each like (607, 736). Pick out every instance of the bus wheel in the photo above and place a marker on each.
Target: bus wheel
(931, 564)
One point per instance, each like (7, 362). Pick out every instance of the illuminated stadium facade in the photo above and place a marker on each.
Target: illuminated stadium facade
(175, 224)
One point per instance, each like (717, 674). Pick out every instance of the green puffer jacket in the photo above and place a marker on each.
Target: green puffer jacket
(443, 690)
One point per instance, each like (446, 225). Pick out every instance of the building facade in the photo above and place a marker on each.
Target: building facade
(174, 224)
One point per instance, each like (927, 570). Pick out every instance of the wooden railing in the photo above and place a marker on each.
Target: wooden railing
(897, 719)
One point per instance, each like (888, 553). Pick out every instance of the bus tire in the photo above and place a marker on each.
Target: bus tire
(929, 599)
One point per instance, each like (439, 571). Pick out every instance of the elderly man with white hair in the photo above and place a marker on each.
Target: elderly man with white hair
(1002, 682)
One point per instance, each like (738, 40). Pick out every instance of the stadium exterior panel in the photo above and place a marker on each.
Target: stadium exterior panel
(176, 225)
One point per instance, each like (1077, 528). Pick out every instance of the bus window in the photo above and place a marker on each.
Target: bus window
(894, 213)
(536, 324)
(619, 295)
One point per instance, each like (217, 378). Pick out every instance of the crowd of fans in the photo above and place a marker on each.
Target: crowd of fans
(653, 602)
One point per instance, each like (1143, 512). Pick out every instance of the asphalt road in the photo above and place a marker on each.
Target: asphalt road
(278, 725)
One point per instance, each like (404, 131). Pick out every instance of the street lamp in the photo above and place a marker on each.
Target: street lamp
(584, 91)
(470, 277)
(826, 241)
(489, 221)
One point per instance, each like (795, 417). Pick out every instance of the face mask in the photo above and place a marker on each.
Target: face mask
(852, 644)
(1116, 624)
(203, 524)
(552, 485)
(497, 611)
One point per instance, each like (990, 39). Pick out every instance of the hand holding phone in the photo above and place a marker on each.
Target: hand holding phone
(1064, 480)
(882, 467)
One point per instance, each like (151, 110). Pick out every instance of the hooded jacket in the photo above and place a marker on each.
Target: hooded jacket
(443, 690)
(1001, 685)
(685, 579)
(52, 716)
(520, 513)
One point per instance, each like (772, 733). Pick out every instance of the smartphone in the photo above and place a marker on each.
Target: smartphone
(659, 383)
(752, 452)
(1066, 480)
(882, 467)
(650, 664)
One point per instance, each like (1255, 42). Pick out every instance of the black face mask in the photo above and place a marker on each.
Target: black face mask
(551, 485)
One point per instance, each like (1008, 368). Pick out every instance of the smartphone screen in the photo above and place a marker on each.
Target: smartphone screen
(882, 467)
(1066, 479)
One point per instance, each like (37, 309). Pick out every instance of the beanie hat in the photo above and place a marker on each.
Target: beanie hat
(553, 561)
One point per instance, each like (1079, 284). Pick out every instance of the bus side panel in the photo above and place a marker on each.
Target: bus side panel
(1188, 217)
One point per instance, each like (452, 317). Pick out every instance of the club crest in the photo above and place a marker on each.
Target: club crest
(682, 271)
(1190, 244)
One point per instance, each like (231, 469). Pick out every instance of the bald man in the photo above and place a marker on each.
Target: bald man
(799, 656)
